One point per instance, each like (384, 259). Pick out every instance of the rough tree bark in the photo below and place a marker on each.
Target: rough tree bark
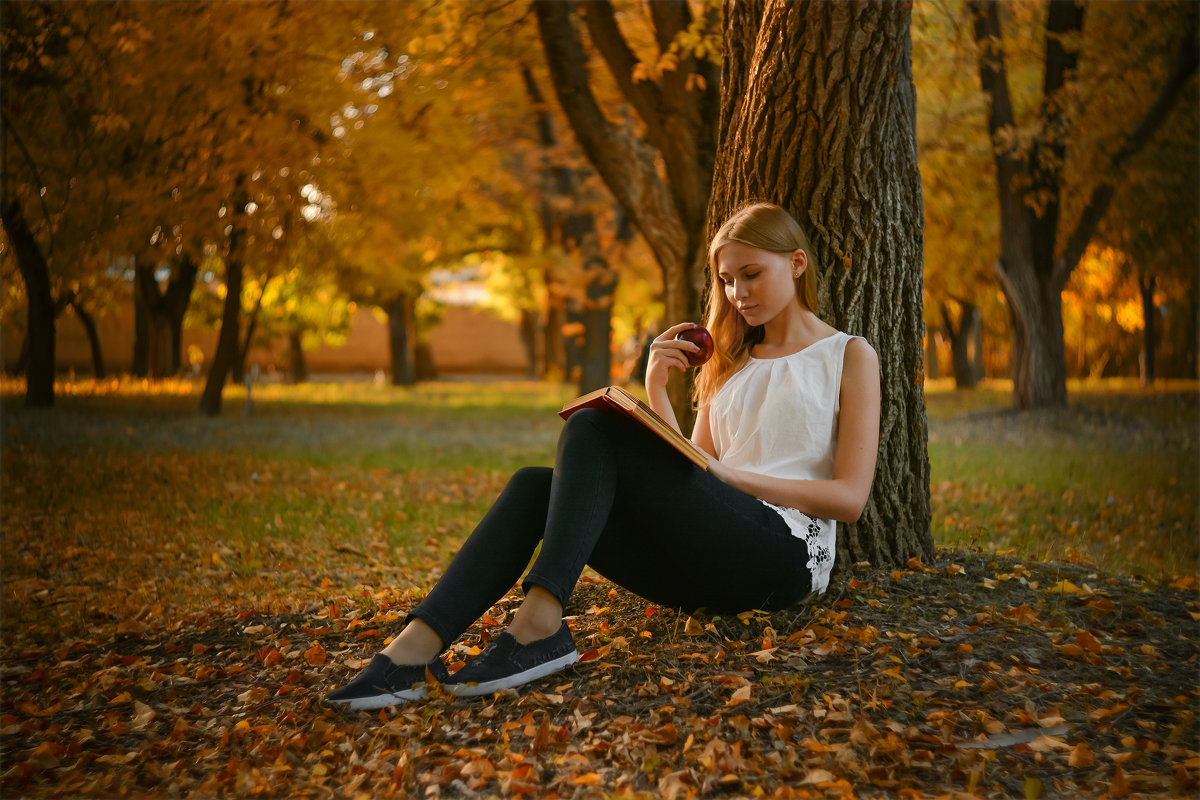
(1032, 269)
(40, 331)
(818, 113)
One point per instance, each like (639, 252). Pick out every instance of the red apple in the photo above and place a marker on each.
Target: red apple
(700, 337)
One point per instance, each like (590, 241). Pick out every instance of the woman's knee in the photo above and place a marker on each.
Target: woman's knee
(589, 422)
(531, 480)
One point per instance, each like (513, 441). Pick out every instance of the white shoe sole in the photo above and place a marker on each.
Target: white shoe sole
(512, 681)
(379, 700)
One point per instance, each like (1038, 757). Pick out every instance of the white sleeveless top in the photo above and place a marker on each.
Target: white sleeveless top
(779, 417)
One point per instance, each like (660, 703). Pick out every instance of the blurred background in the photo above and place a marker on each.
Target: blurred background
(394, 194)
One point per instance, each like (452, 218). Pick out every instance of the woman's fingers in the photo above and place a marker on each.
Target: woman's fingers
(670, 333)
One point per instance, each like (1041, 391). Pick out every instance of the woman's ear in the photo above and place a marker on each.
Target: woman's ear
(799, 263)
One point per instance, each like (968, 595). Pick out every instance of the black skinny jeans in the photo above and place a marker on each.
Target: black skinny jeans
(624, 502)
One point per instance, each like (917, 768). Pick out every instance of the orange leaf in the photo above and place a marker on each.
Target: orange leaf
(692, 628)
(587, 779)
(1119, 786)
(315, 655)
(1081, 756)
(1087, 641)
(742, 695)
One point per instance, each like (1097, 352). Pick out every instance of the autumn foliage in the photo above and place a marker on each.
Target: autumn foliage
(179, 595)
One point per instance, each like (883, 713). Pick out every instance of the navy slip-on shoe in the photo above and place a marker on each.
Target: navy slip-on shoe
(383, 683)
(507, 663)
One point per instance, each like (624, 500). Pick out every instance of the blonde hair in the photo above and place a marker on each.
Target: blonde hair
(764, 226)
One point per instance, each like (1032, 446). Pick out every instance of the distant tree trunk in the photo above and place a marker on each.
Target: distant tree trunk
(176, 301)
(576, 231)
(966, 344)
(156, 322)
(400, 340)
(227, 341)
(22, 358)
(89, 327)
(140, 367)
(239, 367)
(530, 325)
(851, 178)
(677, 112)
(40, 332)
(596, 359)
(932, 367)
(1193, 347)
(424, 368)
(1031, 269)
(555, 348)
(297, 366)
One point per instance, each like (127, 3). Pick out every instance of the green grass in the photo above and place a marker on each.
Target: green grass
(323, 479)
(1112, 480)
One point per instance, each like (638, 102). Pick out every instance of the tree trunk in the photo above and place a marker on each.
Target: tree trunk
(141, 332)
(424, 368)
(1031, 269)
(155, 326)
(677, 113)
(530, 340)
(89, 327)
(297, 366)
(158, 328)
(818, 113)
(1149, 316)
(176, 301)
(1039, 358)
(39, 332)
(400, 341)
(227, 341)
(965, 344)
(932, 368)
(596, 357)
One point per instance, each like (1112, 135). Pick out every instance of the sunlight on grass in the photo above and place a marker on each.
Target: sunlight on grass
(360, 486)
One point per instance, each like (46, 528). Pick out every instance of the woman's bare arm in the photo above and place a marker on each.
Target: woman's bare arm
(844, 496)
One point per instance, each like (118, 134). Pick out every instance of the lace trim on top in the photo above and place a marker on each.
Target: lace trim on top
(821, 537)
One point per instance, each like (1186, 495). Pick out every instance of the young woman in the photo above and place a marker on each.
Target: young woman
(788, 409)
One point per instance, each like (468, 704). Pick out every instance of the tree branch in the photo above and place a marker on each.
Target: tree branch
(626, 164)
(1184, 68)
(993, 78)
(645, 96)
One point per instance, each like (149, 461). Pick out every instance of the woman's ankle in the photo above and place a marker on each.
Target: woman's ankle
(416, 644)
(539, 617)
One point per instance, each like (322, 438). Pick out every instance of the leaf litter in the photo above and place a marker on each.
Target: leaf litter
(976, 675)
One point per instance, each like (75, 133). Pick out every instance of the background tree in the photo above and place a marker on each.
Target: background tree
(672, 94)
(961, 217)
(1044, 231)
(833, 139)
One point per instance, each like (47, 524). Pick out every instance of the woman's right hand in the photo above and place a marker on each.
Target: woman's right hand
(667, 352)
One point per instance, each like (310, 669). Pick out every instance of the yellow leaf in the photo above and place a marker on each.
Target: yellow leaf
(742, 695)
(587, 779)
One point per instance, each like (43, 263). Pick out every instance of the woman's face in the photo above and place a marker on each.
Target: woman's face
(759, 284)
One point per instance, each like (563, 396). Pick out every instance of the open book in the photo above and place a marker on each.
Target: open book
(617, 398)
